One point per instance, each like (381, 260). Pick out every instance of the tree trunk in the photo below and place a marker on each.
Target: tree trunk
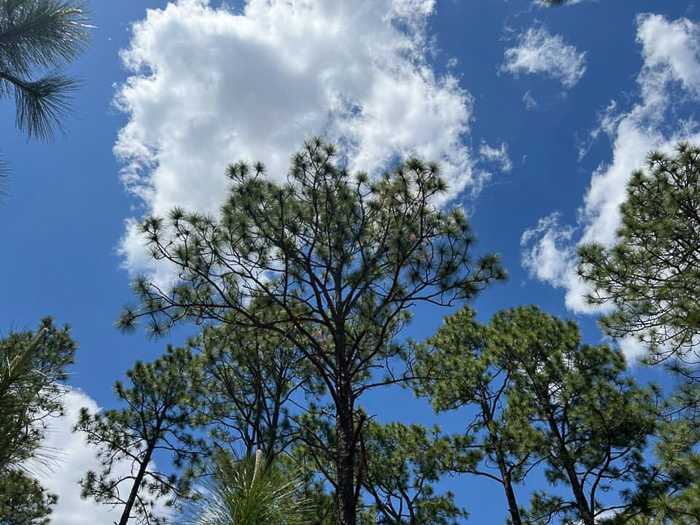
(137, 485)
(502, 467)
(345, 424)
(345, 461)
(570, 468)
(508, 488)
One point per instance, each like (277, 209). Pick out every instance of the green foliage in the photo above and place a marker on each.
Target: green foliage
(397, 465)
(249, 378)
(23, 501)
(540, 398)
(592, 419)
(401, 463)
(156, 418)
(460, 366)
(37, 37)
(248, 492)
(311, 456)
(369, 248)
(31, 368)
(651, 274)
(671, 494)
(341, 260)
(679, 498)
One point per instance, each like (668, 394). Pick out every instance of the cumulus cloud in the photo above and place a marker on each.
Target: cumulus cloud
(209, 86)
(539, 52)
(546, 249)
(670, 78)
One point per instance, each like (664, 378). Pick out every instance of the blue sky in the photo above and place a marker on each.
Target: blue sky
(538, 117)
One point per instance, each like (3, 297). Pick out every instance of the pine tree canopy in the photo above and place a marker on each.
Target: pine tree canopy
(334, 263)
(651, 274)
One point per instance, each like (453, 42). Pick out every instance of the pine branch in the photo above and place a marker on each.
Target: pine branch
(41, 34)
(41, 103)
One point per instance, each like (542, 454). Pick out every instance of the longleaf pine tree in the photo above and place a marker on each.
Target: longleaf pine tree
(155, 424)
(459, 367)
(650, 274)
(340, 260)
(593, 421)
(33, 366)
(671, 493)
(540, 399)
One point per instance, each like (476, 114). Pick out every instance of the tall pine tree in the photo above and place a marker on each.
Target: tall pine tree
(460, 367)
(343, 260)
(592, 420)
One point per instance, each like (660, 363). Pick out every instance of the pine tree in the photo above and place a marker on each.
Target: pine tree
(23, 501)
(650, 275)
(593, 421)
(342, 260)
(671, 493)
(460, 367)
(155, 421)
(32, 367)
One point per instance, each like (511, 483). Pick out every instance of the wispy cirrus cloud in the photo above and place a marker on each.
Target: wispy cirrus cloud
(538, 52)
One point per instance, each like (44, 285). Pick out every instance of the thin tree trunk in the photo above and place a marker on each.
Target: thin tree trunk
(345, 461)
(508, 488)
(126, 514)
(345, 424)
(570, 468)
(502, 467)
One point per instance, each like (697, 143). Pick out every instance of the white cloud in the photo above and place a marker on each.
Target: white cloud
(208, 87)
(529, 100)
(632, 348)
(497, 156)
(490, 160)
(671, 50)
(669, 77)
(539, 52)
(73, 459)
(546, 251)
